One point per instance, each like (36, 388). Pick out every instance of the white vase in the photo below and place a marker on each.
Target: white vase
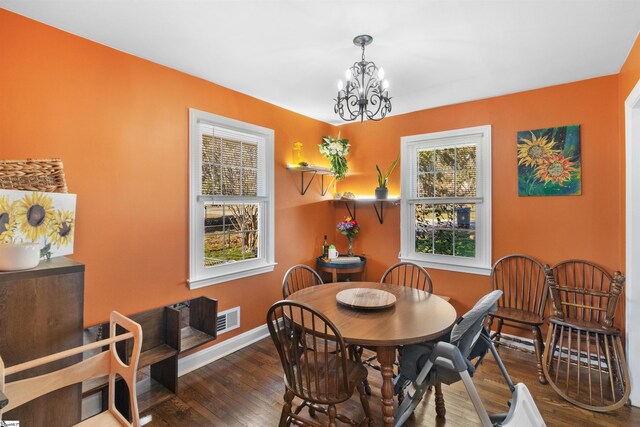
(19, 256)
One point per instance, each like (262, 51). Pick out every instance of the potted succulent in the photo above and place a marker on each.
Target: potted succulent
(382, 191)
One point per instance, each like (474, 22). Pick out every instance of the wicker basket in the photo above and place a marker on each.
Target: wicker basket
(33, 175)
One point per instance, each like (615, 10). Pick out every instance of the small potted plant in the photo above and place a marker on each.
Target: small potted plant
(382, 191)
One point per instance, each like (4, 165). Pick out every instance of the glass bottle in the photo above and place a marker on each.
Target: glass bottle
(325, 248)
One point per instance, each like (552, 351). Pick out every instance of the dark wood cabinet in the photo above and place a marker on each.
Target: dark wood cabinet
(41, 313)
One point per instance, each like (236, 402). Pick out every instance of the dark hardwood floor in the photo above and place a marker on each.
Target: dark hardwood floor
(246, 389)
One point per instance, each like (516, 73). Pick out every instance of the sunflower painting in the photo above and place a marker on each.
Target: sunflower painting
(34, 212)
(7, 219)
(44, 218)
(61, 227)
(549, 162)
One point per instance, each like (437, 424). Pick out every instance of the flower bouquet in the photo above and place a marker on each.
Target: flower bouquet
(335, 149)
(350, 228)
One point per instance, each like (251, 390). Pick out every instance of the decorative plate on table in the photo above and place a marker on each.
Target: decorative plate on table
(366, 298)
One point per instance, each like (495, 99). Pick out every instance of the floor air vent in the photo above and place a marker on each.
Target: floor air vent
(228, 320)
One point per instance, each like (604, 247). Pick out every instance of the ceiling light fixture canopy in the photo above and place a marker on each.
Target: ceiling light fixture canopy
(366, 92)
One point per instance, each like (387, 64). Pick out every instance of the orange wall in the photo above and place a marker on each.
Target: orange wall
(548, 228)
(120, 124)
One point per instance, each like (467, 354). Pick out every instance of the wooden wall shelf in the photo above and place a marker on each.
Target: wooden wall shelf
(197, 326)
(150, 392)
(378, 205)
(313, 170)
(168, 331)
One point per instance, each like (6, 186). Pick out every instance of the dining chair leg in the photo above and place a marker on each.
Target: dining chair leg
(356, 353)
(441, 411)
(498, 335)
(539, 347)
(365, 406)
(331, 411)
(401, 392)
(286, 409)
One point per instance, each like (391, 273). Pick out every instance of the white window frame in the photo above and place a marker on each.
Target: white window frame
(199, 275)
(410, 145)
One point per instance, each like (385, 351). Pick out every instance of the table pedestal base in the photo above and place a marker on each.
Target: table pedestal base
(386, 357)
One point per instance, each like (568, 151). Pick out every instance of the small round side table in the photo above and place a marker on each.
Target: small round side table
(336, 268)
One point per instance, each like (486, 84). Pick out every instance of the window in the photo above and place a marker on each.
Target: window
(231, 200)
(446, 200)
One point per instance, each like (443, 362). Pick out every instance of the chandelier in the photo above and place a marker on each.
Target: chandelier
(366, 92)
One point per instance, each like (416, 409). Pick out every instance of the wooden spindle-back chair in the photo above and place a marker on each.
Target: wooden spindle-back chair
(521, 278)
(584, 359)
(320, 373)
(409, 275)
(106, 363)
(586, 292)
(299, 277)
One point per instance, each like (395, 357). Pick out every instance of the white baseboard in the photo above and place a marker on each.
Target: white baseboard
(211, 354)
(91, 405)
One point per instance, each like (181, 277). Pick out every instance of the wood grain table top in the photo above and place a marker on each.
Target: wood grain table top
(417, 316)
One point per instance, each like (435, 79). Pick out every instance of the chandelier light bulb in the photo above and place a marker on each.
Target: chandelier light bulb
(348, 74)
(381, 73)
(340, 85)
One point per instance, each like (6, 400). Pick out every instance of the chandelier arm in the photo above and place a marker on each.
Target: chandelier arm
(353, 105)
(375, 102)
(345, 104)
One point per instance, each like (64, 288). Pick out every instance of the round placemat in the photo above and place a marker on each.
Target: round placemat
(366, 298)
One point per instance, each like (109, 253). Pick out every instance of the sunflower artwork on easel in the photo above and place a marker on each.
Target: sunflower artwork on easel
(549, 162)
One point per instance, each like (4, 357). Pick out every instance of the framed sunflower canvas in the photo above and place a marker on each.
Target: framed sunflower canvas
(44, 218)
(549, 162)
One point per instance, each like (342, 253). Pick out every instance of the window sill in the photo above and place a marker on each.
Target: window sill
(234, 275)
(482, 271)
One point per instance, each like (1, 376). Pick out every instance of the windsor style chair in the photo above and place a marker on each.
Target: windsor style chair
(522, 280)
(584, 359)
(321, 373)
(299, 277)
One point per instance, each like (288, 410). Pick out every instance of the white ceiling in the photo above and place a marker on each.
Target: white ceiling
(292, 53)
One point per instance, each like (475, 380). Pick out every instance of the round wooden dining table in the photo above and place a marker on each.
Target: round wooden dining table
(416, 316)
